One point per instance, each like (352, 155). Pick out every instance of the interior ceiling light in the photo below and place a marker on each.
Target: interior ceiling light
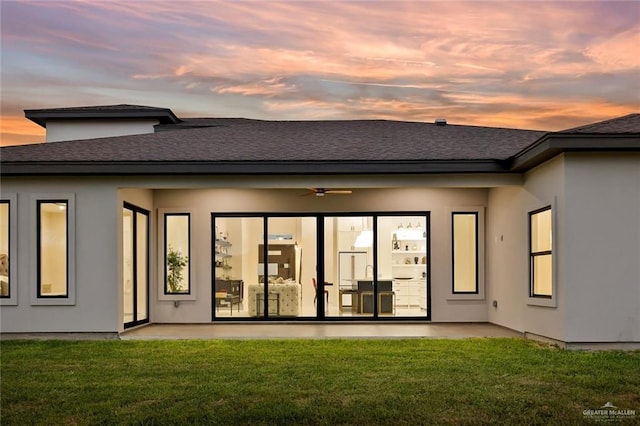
(365, 239)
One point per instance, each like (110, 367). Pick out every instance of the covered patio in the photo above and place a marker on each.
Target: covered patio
(315, 330)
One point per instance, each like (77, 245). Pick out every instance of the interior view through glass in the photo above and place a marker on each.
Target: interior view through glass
(52, 248)
(4, 249)
(135, 265)
(358, 281)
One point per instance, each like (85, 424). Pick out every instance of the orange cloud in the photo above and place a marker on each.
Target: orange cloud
(15, 130)
(542, 65)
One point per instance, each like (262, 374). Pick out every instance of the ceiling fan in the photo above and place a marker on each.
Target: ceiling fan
(321, 192)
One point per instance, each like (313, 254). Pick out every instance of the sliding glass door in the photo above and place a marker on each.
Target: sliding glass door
(264, 267)
(277, 266)
(135, 255)
(376, 265)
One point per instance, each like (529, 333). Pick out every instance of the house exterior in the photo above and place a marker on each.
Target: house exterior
(129, 215)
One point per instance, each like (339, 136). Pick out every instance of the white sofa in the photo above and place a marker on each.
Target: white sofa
(288, 294)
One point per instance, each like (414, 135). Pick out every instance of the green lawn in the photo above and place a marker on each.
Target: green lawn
(316, 382)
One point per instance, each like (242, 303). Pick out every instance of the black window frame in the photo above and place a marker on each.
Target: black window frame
(135, 210)
(164, 258)
(39, 204)
(477, 253)
(9, 254)
(533, 255)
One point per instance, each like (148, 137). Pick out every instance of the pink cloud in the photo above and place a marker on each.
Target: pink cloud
(524, 63)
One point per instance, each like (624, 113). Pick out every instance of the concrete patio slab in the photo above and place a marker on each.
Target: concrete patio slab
(317, 331)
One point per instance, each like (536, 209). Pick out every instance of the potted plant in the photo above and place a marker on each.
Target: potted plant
(175, 265)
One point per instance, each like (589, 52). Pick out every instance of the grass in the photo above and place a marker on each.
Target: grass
(311, 382)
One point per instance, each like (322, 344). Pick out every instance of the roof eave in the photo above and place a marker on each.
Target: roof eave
(40, 117)
(111, 168)
(553, 144)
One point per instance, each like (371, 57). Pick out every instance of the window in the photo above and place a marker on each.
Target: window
(177, 255)
(5, 251)
(540, 253)
(464, 252)
(52, 248)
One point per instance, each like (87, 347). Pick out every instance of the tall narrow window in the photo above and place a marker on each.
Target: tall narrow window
(464, 234)
(5, 255)
(177, 253)
(540, 253)
(52, 248)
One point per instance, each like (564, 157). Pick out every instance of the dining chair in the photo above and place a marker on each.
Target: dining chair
(315, 297)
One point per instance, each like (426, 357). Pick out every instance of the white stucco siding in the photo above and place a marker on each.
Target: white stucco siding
(603, 257)
(65, 130)
(508, 252)
(95, 308)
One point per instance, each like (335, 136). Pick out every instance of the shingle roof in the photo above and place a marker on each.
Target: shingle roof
(626, 124)
(256, 140)
(245, 146)
(40, 116)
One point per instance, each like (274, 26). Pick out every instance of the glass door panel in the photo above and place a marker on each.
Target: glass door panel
(402, 265)
(238, 276)
(127, 267)
(142, 279)
(135, 268)
(291, 264)
(348, 266)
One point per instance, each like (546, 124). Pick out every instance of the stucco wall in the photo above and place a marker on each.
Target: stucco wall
(66, 130)
(96, 259)
(508, 255)
(596, 201)
(603, 259)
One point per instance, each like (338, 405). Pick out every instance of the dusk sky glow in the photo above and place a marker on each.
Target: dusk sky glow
(535, 65)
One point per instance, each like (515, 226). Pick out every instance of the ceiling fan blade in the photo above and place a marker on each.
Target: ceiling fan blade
(321, 192)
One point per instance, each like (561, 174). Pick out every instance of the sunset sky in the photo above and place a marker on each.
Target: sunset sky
(536, 65)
